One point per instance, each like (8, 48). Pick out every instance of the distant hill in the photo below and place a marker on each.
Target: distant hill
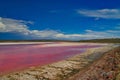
(111, 40)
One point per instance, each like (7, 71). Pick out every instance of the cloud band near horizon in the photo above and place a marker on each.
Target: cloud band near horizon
(8, 25)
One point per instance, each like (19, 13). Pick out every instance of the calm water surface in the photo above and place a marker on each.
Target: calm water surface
(17, 57)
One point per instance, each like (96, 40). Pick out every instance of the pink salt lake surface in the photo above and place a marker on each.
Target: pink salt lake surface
(22, 56)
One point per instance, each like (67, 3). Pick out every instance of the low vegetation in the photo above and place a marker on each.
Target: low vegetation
(112, 40)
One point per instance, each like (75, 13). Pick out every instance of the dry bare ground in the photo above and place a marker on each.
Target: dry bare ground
(106, 68)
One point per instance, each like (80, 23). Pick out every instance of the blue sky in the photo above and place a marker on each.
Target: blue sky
(59, 19)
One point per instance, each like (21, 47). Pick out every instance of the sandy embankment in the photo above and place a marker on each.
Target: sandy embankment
(105, 68)
(60, 70)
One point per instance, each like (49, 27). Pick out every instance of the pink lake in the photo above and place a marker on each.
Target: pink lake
(22, 56)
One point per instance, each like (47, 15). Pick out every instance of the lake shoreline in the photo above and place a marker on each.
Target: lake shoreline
(108, 64)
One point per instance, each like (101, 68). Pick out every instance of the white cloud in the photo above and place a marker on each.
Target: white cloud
(88, 30)
(118, 27)
(53, 11)
(20, 27)
(106, 33)
(12, 25)
(114, 31)
(102, 13)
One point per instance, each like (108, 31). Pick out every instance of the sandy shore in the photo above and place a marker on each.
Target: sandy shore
(61, 70)
(14, 43)
(50, 44)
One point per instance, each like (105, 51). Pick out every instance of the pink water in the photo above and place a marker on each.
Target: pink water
(17, 57)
